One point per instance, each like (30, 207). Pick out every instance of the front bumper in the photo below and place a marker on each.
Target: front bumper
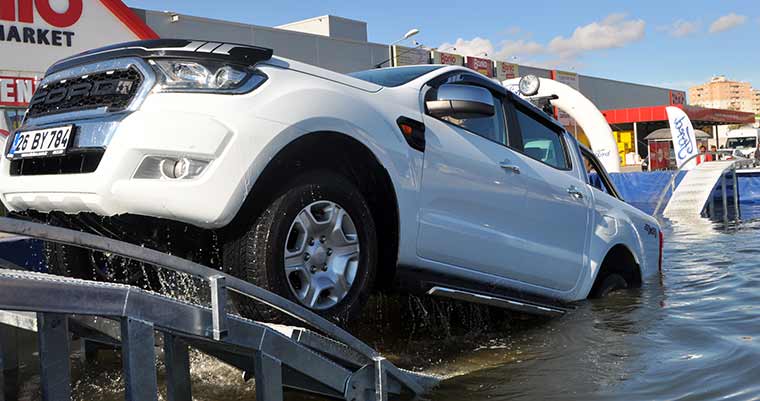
(210, 200)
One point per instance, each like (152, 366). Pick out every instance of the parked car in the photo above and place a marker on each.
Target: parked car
(321, 186)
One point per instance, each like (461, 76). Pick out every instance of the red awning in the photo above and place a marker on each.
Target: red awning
(696, 115)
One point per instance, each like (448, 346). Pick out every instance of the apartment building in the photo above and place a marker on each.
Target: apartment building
(723, 93)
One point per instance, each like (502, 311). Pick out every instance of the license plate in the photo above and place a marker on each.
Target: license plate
(41, 143)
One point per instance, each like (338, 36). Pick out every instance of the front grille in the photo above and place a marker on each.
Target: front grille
(74, 163)
(113, 90)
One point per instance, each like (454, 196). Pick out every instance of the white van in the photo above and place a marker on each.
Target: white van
(742, 141)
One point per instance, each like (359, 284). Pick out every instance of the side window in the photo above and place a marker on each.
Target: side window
(491, 128)
(597, 176)
(541, 142)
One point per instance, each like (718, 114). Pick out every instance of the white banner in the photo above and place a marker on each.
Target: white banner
(684, 141)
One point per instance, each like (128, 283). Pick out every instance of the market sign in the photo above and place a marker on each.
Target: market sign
(36, 33)
(570, 79)
(409, 56)
(446, 58)
(677, 97)
(16, 91)
(481, 65)
(506, 70)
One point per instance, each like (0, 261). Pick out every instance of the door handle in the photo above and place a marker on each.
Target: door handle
(574, 192)
(511, 167)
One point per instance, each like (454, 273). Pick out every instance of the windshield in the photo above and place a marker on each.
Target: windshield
(394, 76)
(746, 142)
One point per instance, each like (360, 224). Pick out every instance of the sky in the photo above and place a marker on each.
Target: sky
(675, 44)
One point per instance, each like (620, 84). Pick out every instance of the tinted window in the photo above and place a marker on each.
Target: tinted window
(741, 143)
(541, 142)
(597, 176)
(491, 128)
(394, 76)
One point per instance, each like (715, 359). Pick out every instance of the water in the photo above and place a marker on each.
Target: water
(695, 335)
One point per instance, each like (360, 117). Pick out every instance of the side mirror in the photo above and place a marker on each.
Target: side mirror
(461, 101)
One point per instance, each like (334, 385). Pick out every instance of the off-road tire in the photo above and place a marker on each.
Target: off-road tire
(612, 282)
(253, 249)
(75, 262)
(66, 260)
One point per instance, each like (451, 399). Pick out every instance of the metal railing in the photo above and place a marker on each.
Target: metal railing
(670, 187)
(375, 369)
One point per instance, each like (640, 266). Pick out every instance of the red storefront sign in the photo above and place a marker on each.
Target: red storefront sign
(16, 91)
(481, 65)
(8, 12)
(677, 97)
(447, 58)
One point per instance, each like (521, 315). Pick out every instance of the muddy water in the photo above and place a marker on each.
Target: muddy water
(694, 336)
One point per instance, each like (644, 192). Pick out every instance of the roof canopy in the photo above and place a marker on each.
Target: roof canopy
(697, 115)
(664, 134)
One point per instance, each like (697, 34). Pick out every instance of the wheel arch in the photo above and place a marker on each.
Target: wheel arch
(622, 260)
(343, 154)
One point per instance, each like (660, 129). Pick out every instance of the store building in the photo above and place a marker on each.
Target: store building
(40, 32)
(640, 122)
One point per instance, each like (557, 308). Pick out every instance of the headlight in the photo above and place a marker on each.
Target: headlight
(205, 76)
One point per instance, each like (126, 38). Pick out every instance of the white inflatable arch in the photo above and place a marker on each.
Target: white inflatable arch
(584, 112)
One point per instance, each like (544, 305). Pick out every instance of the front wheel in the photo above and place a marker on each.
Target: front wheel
(316, 245)
(72, 261)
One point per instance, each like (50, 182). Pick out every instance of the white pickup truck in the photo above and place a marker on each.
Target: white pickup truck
(321, 186)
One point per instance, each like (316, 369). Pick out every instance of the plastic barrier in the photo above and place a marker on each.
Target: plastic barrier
(643, 189)
(749, 188)
(749, 196)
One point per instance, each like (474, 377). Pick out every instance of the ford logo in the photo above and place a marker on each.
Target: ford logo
(84, 89)
(685, 145)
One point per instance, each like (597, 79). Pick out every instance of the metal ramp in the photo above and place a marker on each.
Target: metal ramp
(697, 193)
(328, 361)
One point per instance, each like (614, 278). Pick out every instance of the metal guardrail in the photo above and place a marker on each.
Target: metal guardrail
(670, 187)
(334, 363)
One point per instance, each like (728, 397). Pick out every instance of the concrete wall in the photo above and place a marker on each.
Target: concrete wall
(316, 26)
(335, 54)
(609, 94)
(332, 26)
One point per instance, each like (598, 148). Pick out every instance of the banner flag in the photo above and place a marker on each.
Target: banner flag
(684, 141)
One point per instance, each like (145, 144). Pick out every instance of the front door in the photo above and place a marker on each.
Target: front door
(473, 195)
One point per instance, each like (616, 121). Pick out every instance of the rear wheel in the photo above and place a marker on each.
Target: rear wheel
(611, 283)
(315, 244)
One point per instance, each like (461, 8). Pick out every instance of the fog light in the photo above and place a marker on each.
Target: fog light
(529, 85)
(174, 169)
(170, 168)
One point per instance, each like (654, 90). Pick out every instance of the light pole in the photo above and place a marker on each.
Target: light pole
(406, 36)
